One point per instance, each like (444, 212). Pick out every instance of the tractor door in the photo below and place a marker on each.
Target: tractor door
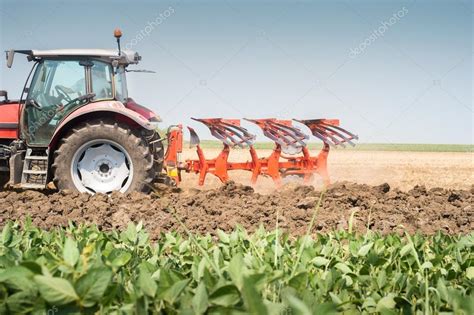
(57, 89)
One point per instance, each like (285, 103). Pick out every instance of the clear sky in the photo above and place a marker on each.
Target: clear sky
(392, 71)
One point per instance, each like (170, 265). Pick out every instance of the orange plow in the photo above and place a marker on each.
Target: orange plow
(290, 155)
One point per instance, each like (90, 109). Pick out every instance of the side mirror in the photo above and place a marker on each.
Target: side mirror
(4, 94)
(10, 55)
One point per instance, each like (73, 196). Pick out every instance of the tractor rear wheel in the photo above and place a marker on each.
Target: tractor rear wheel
(101, 157)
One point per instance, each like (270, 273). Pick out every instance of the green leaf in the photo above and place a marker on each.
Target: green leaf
(348, 280)
(297, 306)
(381, 278)
(139, 226)
(343, 268)
(235, 269)
(427, 265)
(325, 308)
(223, 237)
(275, 308)
(7, 234)
(70, 252)
(131, 233)
(442, 290)
(18, 278)
(320, 261)
(92, 286)
(406, 249)
(387, 302)
(56, 291)
(200, 300)
(171, 294)
(33, 266)
(21, 302)
(470, 273)
(119, 258)
(299, 281)
(227, 296)
(147, 284)
(335, 299)
(364, 250)
(252, 298)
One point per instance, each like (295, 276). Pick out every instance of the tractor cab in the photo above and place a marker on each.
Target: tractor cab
(76, 125)
(67, 79)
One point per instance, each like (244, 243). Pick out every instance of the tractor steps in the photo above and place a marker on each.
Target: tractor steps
(36, 157)
(32, 186)
(35, 169)
(35, 172)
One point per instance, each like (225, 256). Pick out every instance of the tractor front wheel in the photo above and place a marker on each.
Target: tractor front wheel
(101, 157)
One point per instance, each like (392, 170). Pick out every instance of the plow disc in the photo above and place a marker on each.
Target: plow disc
(290, 155)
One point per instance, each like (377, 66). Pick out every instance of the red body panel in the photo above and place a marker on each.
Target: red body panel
(142, 110)
(9, 115)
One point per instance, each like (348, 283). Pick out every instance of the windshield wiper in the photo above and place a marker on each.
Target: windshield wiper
(87, 96)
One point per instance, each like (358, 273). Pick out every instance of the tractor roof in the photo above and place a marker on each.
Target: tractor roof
(107, 55)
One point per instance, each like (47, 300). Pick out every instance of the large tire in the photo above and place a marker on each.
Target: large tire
(101, 151)
(158, 152)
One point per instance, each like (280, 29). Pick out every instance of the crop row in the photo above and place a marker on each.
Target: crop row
(81, 269)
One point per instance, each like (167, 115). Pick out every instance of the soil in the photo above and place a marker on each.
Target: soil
(378, 208)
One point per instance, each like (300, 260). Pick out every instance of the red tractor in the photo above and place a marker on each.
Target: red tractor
(76, 126)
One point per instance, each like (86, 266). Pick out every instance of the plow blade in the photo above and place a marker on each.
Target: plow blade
(290, 156)
(193, 138)
(228, 131)
(329, 132)
(283, 133)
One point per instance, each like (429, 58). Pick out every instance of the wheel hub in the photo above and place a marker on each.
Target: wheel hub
(102, 166)
(104, 169)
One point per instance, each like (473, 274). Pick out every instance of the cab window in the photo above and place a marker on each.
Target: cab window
(102, 80)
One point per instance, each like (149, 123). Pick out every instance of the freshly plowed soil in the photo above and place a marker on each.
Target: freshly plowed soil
(378, 208)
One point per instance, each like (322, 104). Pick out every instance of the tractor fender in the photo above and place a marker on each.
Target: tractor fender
(110, 109)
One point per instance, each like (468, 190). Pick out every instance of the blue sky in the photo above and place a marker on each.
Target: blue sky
(392, 71)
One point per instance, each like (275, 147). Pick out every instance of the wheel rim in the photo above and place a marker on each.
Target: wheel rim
(102, 166)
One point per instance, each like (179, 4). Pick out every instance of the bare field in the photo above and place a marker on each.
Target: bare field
(402, 170)
(379, 208)
(381, 191)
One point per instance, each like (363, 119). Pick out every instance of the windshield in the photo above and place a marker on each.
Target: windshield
(58, 87)
(55, 82)
(54, 91)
